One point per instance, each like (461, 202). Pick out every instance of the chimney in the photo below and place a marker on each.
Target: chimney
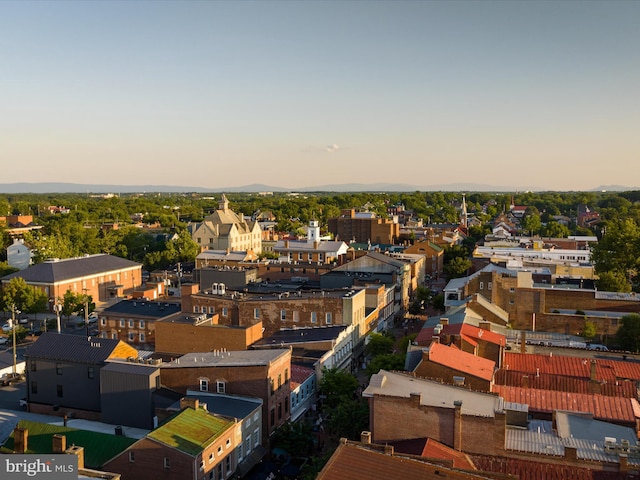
(444, 321)
(592, 372)
(525, 381)
(78, 452)
(523, 343)
(59, 443)
(365, 437)
(571, 454)
(286, 244)
(457, 425)
(624, 462)
(186, 402)
(20, 440)
(435, 339)
(388, 449)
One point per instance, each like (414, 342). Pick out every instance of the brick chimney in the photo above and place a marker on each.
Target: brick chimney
(365, 437)
(457, 425)
(444, 321)
(523, 343)
(20, 439)
(388, 449)
(59, 443)
(78, 452)
(592, 371)
(186, 402)
(525, 381)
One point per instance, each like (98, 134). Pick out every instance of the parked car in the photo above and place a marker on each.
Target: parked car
(3, 340)
(598, 347)
(93, 318)
(23, 403)
(23, 320)
(6, 327)
(10, 378)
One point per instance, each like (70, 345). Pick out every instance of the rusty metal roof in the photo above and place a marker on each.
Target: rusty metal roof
(613, 409)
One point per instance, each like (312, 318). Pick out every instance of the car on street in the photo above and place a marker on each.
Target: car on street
(6, 327)
(3, 340)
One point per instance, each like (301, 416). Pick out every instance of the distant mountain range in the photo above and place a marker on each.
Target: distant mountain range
(254, 188)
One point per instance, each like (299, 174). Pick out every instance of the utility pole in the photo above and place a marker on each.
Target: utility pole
(58, 308)
(86, 312)
(13, 329)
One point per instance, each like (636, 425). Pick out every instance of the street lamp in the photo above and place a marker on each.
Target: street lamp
(57, 307)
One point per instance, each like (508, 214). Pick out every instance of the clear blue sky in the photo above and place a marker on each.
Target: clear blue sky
(214, 94)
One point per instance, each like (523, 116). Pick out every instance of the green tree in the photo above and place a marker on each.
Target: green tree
(6, 269)
(619, 250)
(457, 267)
(349, 419)
(379, 344)
(628, 334)
(19, 294)
(613, 281)
(589, 329)
(389, 361)
(531, 223)
(555, 230)
(337, 386)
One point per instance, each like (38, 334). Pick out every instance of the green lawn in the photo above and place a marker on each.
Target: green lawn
(98, 447)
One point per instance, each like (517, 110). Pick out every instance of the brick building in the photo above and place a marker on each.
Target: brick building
(263, 374)
(434, 265)
(192, 444)
(190, 333)
(364, 227)
(286, 309)
(134, 321)
(103, 277)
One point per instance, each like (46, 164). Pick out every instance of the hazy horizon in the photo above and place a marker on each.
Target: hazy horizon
(294, 94)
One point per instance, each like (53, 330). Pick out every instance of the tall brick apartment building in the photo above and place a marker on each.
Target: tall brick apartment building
(263, 374)
(364, 227)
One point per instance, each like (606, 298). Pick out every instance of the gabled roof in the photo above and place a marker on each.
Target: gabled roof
(191, 431)
(69, 268)
(460, 361)
(613, 409)
(357, 462)
(470, 333)
(78, 348)
(432, 449)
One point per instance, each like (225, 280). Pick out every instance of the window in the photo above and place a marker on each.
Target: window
(512, 289)
(131, 336)
(59, 391)
(224, 311)
(314, 317)
(511, 302)
(122, 322)
(114, 335)
(221, 386)
(202, 465)
(614, 322)
(211, 458)
(204, 385)
(132, 456)
(58, 369)
(279, 381)
(239, 452)
(256, 436)
(34, 387)
(321, 257)
(247, 444)
(286, 375)
(481, 285)
(227, 444)
(227, 464)
(310, 257)
(489, 285)
(220, 466)
(220, 451)
(141, 336)
(34, 367)
(141, 324)
(283, 315)
(272, 414)
(328, 318)
(167, 462)
(300, 256)
(90, 373)
(196, 309)
(296, 316)
(256, 313)
(279, 410)
(103, 322)
(212, 310)
(286, 404)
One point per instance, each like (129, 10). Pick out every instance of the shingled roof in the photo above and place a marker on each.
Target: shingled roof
(78, 348)
(55, 271)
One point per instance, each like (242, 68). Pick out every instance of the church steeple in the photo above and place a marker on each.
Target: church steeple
(223, 204)
(463, 212)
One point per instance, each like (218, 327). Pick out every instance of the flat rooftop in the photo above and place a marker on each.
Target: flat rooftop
(236, 358)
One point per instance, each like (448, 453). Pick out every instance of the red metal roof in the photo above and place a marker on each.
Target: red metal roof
(606, 370)
(621, 388)
(611, 409)
(464, 362)
(462, 329)
(299, 374)
(531, 470)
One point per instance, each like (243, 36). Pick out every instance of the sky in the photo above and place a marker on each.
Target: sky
(540, 94)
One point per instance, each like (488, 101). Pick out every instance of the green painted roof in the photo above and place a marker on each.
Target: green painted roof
(98, 447)
(190, 431)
